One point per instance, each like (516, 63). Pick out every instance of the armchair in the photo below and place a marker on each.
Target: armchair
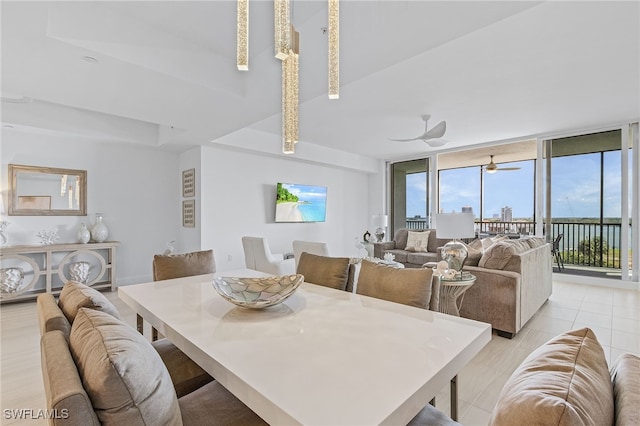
(311, 247)
(258, 256)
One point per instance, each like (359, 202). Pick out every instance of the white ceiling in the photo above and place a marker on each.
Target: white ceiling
(166, 72)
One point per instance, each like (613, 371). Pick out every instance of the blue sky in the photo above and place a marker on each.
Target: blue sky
(575, 188)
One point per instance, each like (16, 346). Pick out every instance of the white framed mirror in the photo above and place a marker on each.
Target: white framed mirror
(47, 191)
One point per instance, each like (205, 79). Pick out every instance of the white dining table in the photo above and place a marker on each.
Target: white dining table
(322, 357)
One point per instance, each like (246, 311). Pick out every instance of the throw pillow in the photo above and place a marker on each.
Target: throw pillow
(626, 389)
(497, 256)
(166, 267)
(123, 375)
(410, 286)
(474, 255)
(75, 295)
(566, 381)
(323, 270)
(418, 241)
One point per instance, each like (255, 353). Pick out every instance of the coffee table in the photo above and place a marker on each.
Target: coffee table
(324, 356)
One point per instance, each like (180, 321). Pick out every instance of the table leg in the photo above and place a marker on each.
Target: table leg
(454, 398)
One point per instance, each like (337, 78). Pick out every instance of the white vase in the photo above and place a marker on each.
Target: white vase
(79, 271)
(99, 232)
(83, 234)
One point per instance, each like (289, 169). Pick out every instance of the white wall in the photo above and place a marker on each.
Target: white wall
(136, 189)
(238, 199)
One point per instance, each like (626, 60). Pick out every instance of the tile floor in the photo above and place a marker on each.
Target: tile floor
(613, 314)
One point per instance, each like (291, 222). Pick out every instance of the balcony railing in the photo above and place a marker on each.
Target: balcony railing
(583, 244)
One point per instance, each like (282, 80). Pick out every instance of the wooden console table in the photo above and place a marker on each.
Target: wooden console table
(46, 267)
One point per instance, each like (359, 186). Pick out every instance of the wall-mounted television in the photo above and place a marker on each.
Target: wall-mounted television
(300, 203)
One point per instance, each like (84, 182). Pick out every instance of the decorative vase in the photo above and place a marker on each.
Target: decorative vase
(83, 234)
(11, 279)
(99, 232)
(79, 271)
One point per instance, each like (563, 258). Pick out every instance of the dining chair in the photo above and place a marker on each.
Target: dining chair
(409, 286)
(167, 267)
(258, 256)
(325, 271)
(555, 251)
(312, 247)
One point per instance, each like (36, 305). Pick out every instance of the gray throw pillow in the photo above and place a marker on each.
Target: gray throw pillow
(410, 286)
(75, 295)
(122, 373)
(324, 270)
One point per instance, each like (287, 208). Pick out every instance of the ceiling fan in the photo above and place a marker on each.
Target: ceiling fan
(492, 167)
(430, 136)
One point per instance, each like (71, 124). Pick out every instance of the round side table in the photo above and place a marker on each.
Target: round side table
(452, 292)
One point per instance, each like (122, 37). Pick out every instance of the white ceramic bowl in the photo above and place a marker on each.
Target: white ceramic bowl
(257, 293)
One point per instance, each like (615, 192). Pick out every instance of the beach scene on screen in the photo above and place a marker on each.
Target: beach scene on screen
(301, 203)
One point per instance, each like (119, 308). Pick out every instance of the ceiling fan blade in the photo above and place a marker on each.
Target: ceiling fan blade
(437, 131)
(435, 143)
(408, 140)
(508, 168)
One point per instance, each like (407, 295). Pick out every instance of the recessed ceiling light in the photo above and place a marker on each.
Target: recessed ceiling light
(89, 59)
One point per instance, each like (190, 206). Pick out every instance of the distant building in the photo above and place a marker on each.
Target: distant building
(506, 214)
(467, 209)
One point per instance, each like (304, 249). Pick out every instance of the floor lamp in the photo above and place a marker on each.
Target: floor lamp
(454, 226)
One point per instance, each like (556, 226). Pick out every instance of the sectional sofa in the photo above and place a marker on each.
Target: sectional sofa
(513, 276)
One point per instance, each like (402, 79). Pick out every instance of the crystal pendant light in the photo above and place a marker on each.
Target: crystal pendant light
(290, 96)
(334, 50)
(242, 59)
(282, 27)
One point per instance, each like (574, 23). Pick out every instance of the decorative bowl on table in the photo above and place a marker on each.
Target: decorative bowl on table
(257, 293)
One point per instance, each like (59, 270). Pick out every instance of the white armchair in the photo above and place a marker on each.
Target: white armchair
(311, 247)
(258, 256)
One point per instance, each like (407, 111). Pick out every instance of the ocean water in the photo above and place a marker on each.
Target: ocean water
(314, 212)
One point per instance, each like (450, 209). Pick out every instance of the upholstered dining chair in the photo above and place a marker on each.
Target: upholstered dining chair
(326, 271)
(411, 286)
(258, 256)
(312, 247)
(167, 267)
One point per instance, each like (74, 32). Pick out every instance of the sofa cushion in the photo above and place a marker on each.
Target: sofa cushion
(324, 270)
(497, 256)
(166, 267)
(417, 241)
(435, 243)
(75, 295)
(625, 375)
(520, 245)
(421, 258)
(123, 375)
(407, 286)
(474, 253)
(213, 404)
(563, 382)
(535, 241)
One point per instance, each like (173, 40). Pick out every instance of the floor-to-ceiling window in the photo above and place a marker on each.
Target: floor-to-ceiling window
(585, 201)
(410, 194)
(460, 189)
(502, 202)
